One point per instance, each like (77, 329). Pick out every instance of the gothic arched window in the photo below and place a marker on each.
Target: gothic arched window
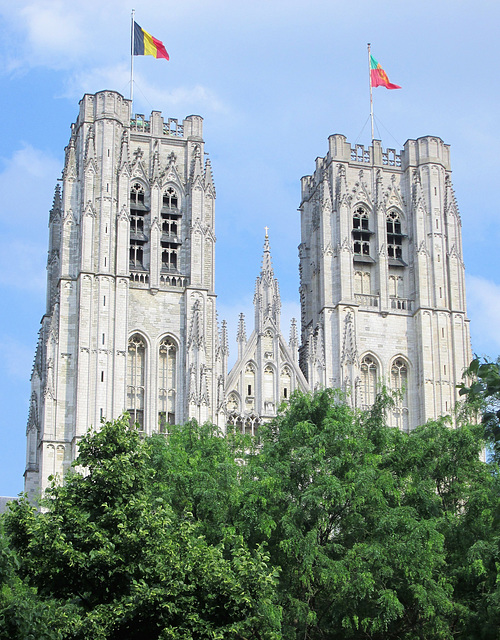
(268, 384)
(399, 384)
(170, 230)
(267, 343)
(233, 403)
(360, 232)
(369, 376)
(138, 238)
(170, 198)
(136, 370)
(249, 389)
(394, 236)
(396, 286)
(362, 282)
(167, 370)
(285, 383)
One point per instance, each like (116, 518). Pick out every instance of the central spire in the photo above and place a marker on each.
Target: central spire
(267, 266)
(267, 296)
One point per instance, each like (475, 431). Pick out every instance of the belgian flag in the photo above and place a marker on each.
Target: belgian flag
(146, 45)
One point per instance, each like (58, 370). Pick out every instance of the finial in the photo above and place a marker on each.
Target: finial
(267, 229)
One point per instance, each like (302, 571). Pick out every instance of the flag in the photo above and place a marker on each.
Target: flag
(379, 76)
(146, 45)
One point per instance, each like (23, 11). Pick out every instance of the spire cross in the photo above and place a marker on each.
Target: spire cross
(267, 229)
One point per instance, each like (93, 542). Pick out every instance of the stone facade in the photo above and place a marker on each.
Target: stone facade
(382, 282)
(266, 372)
(131, 322)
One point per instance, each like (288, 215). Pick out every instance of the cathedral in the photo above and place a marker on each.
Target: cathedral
(131, 321)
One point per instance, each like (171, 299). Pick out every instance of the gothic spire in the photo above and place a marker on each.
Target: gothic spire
(70, 164)
(267, 272)
(294, 340)
(56, 203)
(267, 299)
(241, 335)
(209, 179)
(196, 166)
(224, 339)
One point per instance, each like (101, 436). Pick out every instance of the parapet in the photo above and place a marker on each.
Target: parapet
(112, 105)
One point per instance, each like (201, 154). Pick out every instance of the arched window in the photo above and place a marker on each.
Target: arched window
(167, 370)
(396, 286)
(232, 403)
(369, 375)
(170, 230)
(170, 198)
(362, 282)
(268, 384)
(394, 236)
(136, 367)
(267, 344)
(399, 384)
(285, 383)
(138, 238)
(249, 389)
(360, 232)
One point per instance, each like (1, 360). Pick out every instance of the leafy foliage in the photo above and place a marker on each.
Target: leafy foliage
(330, 526)
(113, 547)
(483, 395)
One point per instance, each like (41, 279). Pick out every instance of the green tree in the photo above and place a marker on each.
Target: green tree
(332, 526)
(366, 523)
(483, 396)
(113, 548)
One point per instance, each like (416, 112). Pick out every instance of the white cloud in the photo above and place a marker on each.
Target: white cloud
(53, 27)
(182, 99)
(483, 308)
(96, 79)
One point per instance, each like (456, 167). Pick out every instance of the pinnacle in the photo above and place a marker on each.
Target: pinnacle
(267, 267)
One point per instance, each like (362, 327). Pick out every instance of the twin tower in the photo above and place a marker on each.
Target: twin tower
(131, 321)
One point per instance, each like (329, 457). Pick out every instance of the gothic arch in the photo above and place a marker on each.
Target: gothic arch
(233, 402)
(137, 358)
(167, 381)
(174, 182)
(172, 195)
(144, 188)
(370, 370)
(286, 382)
(367, 209)
(399, 375)
(139, 208)
(398, 211)
(142, 334)
(361, 218)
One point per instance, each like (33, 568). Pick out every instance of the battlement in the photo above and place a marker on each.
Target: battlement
(425, 150)
(112, 105)
(428, 149)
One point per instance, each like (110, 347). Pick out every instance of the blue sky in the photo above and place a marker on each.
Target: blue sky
(272, 80)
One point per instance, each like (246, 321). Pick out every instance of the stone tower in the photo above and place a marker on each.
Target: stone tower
(382, 283)
(130, 322)
(266, 372)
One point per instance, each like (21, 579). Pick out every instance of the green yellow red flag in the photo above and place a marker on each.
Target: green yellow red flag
(379, 77)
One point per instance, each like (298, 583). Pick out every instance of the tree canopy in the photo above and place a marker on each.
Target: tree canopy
(330, 525)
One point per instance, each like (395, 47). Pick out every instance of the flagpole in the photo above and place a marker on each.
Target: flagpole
(132, 62)
(371, 95)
